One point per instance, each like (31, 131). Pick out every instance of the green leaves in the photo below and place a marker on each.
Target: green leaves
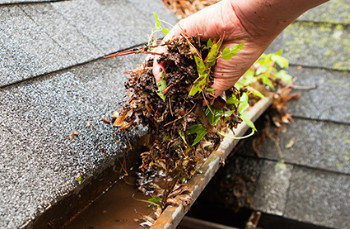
(213, 115)
(255, 92)
(243, 113)
(228, 53)
(199, 84)
(265, 80)
(213, 53)
(182, 135)
(156, 201)
(158, 27)
(268, 68)
(209, 43)
(279, 60)
(284, 76)
(261, 69)
(79, 178)
(265, 72)
(211, 90)
(199, 130)
(244, 103)
(245, 117)
(157, 23)
(232, 100)
(165, 31)
(204, 66)
(203, 78)
(201, 67)
(161, 95)
(161, 86)
(162, 83)
(247, 79)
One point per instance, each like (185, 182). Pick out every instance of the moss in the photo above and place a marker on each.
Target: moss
(318, 44)
(336, 11)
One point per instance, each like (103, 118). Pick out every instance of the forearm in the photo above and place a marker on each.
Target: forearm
(262, 17)
(253, 22)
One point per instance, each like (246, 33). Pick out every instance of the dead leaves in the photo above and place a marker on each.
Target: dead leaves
(184, 8)
(73, 134)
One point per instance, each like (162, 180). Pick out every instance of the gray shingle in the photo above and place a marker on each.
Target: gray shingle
(319, 197)
(235, 182)
(8, 71)
(38, 161)
(32, 50)
(43, 38)
(109, 26)
(268, 193)
(316, 144)
(272, 187)
(335, 11)
(328, 101)
(61, 31)
(24, 1)
(148, 7)
(317, 45)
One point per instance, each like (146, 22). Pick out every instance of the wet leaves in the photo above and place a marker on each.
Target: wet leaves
(200, 132)
(157, 201)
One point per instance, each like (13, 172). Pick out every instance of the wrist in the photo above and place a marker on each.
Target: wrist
(265, 19)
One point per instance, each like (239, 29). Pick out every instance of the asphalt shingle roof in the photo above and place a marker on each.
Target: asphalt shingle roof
(53, 81)
(313, 187)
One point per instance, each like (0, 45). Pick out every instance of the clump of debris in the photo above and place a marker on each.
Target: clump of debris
(185, 121)
(182, 131)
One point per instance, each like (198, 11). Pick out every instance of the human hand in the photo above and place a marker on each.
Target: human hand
(253, 22)
(216, 21)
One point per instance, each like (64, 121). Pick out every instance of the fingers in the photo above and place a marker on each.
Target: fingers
(158, 68)
(212, 22)
(228, 72)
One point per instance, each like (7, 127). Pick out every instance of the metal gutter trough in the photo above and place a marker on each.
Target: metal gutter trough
(173, 215)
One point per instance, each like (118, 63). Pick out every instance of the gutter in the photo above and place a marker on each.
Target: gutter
(173, 215)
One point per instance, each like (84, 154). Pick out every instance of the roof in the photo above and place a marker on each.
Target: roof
(53, 81)
(313, 187)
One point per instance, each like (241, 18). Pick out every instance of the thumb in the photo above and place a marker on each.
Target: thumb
(158, 67)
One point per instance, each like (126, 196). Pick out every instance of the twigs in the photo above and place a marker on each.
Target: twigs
(303, 87)
(181, 116)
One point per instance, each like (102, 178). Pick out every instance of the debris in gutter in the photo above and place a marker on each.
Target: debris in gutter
(72, 135)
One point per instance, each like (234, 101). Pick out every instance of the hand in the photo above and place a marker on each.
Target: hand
(214, 22)
(253, 22)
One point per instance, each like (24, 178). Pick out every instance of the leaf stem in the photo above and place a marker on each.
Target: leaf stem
(237, 138)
